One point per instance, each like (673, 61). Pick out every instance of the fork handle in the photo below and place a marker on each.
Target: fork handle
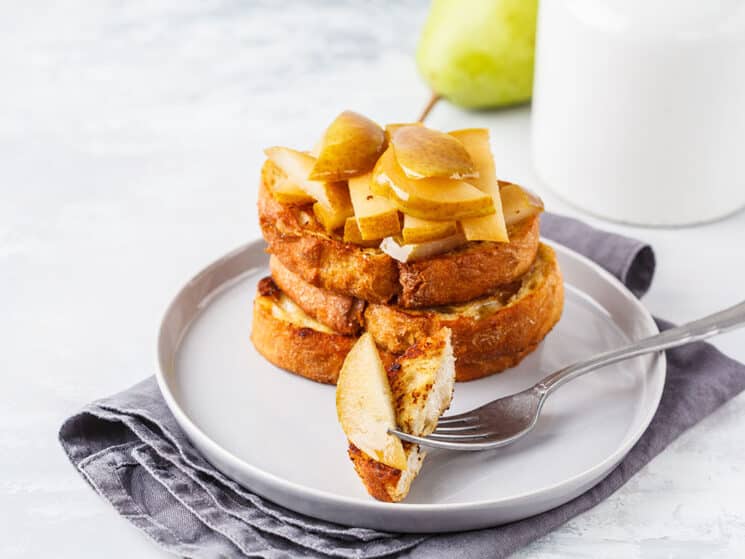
(712, 325)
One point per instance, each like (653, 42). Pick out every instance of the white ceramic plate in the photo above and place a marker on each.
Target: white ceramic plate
(277, 433)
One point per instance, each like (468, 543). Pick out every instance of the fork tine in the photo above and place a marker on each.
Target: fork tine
(459, 418)
(452, 437)
(424, 440)
(456, 426)
(433, 441)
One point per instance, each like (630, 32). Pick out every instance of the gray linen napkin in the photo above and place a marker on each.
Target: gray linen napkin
(131, 451)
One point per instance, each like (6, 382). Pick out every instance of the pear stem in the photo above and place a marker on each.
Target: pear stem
(428, 108)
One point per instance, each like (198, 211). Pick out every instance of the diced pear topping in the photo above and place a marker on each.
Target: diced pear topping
(423, 152)
(332, 218)
(433, 198)
(350, 146)
(411, 190)
(297, 165)
(287, 192)
(491, 227)
(352, 234)
(518, 203)
(418, 230)
(391, 128)
(376, 216)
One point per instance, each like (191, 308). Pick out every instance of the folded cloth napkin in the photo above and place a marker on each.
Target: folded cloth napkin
(130, 449)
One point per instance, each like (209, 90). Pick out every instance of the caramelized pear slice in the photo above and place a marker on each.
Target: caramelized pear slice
(391, 128)
(491, 227)
(423, 153)
(332, 218)
(418, 230)
(518, 203)
(297, 165)
(376, 216)
(486, 228)
(350, 146)
(364, 405)
(433, 198)
(352, 234)
(287, 192)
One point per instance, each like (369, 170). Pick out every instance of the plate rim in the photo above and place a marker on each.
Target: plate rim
(192, 431)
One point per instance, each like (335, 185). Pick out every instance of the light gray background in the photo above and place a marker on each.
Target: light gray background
(130, 144)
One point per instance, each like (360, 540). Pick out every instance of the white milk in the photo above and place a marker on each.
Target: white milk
(639, 107)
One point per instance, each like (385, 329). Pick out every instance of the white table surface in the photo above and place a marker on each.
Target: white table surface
(130, 145)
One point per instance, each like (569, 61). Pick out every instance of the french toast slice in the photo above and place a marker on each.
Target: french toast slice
(342, 313)
(491, 333)
(384, 482)
(292, 340)
(324, 260)
(420, 389)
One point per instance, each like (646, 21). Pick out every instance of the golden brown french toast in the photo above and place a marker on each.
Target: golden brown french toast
(382, 481)
(341, 313)
(292, 340)
(490, 334)
(324, 260)
(415, 392)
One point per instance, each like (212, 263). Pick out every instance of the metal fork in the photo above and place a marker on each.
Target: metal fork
(505, 420)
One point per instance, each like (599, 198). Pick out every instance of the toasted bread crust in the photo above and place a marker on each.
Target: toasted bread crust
(297, 240)
(383, 482)
(341, 313)
(488, 344)
(300, 243)
(470, 272)
(310, 353)
(380, 480)
(526, 311)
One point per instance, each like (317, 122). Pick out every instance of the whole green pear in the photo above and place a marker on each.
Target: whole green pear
(479, 53)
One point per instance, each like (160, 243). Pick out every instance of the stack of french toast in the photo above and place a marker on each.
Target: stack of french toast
(399, 264)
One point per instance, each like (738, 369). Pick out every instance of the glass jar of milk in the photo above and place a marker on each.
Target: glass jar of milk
(639, 107)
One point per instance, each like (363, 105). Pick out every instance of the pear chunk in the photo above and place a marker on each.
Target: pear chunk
(286, 192)
(392, 127)
(297, 166)
(491, 227)
(352, 234)
(432, 198)
(518, 203)
(376, 216)
(350, 146)
(418, 230)
(364, 405)
(423, 152)
(332, 218)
